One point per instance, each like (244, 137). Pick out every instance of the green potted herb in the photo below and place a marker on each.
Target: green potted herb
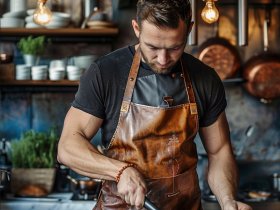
(32, 48)
(33, 160)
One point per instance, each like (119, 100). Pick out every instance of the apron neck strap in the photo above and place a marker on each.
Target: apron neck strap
(131, 81)
(132, 77)
(187, 81)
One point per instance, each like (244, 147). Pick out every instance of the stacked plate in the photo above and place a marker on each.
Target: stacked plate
(39, 72)
(13, 19)
(23, 72)
(74, 72)
(59, 20)
(57, 70)
(56, 73)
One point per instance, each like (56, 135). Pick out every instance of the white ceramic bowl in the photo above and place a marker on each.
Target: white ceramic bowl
(84, 61)
(17, 14)
(57, 76)
(61, 17)
(29, 19)
(73, 69)
(23, 72)
(11, 23)
(57, 64)
(30, 11)
(73, 77)
(33, 25)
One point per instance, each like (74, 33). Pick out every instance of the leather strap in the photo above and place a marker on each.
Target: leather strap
(131, 82)
(132, 77)
(189, 88)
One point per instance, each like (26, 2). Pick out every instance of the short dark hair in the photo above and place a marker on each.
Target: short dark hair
(164, 13)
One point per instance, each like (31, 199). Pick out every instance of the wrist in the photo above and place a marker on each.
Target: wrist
(227, 199)
(120, 172)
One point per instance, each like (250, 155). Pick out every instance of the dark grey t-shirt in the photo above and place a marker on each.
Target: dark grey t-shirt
(102, 88)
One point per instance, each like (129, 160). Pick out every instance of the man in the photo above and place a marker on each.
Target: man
(150, 100)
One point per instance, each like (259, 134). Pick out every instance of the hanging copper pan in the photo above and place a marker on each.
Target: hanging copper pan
(221, 55)
(262, 73)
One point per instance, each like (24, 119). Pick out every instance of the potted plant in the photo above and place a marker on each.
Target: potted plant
(32, 48)
(33, 163)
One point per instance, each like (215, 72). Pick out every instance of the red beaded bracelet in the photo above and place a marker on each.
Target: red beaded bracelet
(122, 170)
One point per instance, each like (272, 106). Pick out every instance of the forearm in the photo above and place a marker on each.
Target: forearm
(223, 176)
(76, 152)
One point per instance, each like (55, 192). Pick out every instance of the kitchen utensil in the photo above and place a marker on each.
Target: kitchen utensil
(262, 72)
(221, 55)
(85, 183)
(149, 205)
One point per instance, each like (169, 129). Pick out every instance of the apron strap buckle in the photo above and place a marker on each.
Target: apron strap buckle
(193, 108)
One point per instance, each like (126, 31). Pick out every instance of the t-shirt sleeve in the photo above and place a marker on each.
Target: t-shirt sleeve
(89, 97)
(214, 99)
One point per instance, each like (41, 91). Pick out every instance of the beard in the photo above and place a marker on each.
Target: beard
(153, 66)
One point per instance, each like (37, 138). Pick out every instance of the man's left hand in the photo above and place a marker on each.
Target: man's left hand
(235, 205)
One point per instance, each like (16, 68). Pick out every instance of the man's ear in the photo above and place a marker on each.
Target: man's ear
(136, 28)
(190, 27)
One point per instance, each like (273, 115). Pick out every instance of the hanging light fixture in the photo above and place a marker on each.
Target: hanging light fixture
(210, 13)
(42, 14)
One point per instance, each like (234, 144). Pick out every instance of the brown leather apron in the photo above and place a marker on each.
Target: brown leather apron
(160, 142)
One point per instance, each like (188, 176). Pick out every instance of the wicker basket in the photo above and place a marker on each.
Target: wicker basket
(21, 177)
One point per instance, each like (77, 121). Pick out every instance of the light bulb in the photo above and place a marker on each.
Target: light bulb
(42, 14)
(210, 13)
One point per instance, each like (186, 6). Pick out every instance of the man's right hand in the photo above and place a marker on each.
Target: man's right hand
(132, 187)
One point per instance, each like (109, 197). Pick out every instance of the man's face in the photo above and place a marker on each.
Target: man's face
(161, 48)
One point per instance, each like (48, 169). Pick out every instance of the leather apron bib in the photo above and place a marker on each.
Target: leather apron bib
(160, 142)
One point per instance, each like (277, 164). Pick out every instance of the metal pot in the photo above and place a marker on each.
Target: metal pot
(85, 184)
(262, 73)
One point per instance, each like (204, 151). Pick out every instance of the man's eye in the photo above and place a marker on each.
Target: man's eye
(153, 48)
(175, 48)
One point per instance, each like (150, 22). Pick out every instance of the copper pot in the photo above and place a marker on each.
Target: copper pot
(262, 73)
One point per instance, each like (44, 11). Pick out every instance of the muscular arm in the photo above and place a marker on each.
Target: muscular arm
(76, 151)
(222, 169)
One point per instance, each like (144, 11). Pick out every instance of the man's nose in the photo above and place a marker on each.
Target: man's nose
(162, 57)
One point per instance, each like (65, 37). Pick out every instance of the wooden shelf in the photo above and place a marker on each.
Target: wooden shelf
(38, 83)
(61, 34)
(38, 86)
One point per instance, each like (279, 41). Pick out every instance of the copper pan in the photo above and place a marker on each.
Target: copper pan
(221, 55)
(262, 73)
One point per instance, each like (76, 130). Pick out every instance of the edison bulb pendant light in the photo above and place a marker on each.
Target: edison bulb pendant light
(210, 13)
(42, 14)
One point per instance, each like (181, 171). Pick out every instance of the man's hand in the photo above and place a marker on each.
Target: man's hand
(235, 205)
(132, 187)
